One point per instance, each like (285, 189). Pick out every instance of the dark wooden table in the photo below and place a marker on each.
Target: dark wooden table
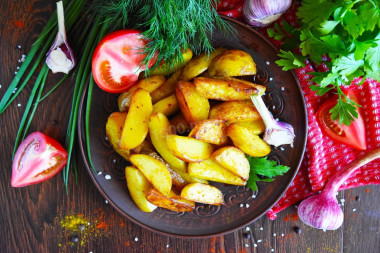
(31, 218)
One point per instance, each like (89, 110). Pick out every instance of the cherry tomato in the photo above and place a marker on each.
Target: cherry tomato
(116, 63)
(38, 158)
(353, 135)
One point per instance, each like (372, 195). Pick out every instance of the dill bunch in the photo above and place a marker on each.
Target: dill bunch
(169, 25)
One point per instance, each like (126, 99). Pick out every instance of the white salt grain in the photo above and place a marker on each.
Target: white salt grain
(255, 245)
(271, 78)
(282, 234)
(136, 239)
(261, 228)
(99, 173)
(253, 196)
(247, 229)
(106, 201)
(246, 205)
(354, 210)
(267, 62)
(272, 250)
(274, 234)
(108, 177)
(247, 245)
(18, 105)
(19, 46)
(259, 240)
(241, 205)
(167, 245)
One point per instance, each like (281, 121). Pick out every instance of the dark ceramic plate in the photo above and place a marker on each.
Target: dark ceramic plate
(285, 100)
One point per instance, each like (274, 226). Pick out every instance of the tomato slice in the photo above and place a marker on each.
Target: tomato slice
(116, 63)
(353, 135)
(38, 158)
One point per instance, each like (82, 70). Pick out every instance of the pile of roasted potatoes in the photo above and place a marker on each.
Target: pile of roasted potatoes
(196, 126)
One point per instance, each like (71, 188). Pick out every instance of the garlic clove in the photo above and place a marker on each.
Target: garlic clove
(60, 57)
(264, 12)
(321, 211)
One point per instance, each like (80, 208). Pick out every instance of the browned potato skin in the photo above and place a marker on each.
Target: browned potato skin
(167, 89)
(189, 149)
(148, 84)
(210, 170)
(179, 124)
(234, 160)
(199, 64)
(226, 89)
(232, 63)
(194, 107)
(203, 193)
(210, 131)
(172, 201)
(247, 141)
(114, 128)
(167, 106)
(234, 111)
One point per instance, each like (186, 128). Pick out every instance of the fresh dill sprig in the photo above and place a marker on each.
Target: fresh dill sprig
(170, 26)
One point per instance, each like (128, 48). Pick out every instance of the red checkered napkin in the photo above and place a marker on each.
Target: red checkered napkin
(324, 156)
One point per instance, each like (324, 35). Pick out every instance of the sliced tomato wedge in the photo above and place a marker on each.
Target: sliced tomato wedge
(116, 63)
(38, 158)
(353, 135)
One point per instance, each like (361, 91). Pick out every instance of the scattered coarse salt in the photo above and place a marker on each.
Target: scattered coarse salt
(241, 205)
(354, 210)
(108, 177)
(259, 240)
(282, 88)
(324, 230)
(246, 205)
(272, 250)
(274, 234)
(18, 105)
(267, 62)
(106, 138)
(282, 149)
(19, 46)
(274, 107)
(282, 234)
(253, 196)
(106, 201)
(136, 239)
(247, 245)
(342, 200)
(255, 245)
(99, 173)
(17, 67)
(0, 86)
(114, 160)
(15, 72)
(247, 229)
(270, 78)
(261, 228)
(167, 245)
(88, 223)
(23, 56)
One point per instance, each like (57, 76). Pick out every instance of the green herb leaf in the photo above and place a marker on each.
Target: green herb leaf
(290, 60)
(262, 169)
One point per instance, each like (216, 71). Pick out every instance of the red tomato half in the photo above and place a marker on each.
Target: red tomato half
(116, 63)
(353, 135)
(38, 158)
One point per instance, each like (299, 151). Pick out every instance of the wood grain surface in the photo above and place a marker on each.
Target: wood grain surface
(31, 217)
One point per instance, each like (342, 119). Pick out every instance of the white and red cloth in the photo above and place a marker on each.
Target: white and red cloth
(323, 156)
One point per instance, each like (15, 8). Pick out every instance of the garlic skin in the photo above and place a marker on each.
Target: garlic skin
(261, 13)
(60, 57)
(321, 211)
(276, 133)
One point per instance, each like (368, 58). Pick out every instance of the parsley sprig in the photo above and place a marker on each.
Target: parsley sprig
(262, 169)
(348, 32)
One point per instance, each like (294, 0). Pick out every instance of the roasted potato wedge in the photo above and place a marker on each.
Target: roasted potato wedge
(189, 149)
(234, 160)
(179, 124)
(199, 64)
(172, 201)
(178, 182)
(159, 128)
(155, 171)
(167, 89)
(202, 193)
(194, 107)
(114, 128)
(167, 106)
(256, 126)
(138, 187)
(247, 141)
(136, 124)
(234, 111)
(148, 84)
(210, 170)
(232, 63)
(212, 131)
(226, 89)
(164, 69)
